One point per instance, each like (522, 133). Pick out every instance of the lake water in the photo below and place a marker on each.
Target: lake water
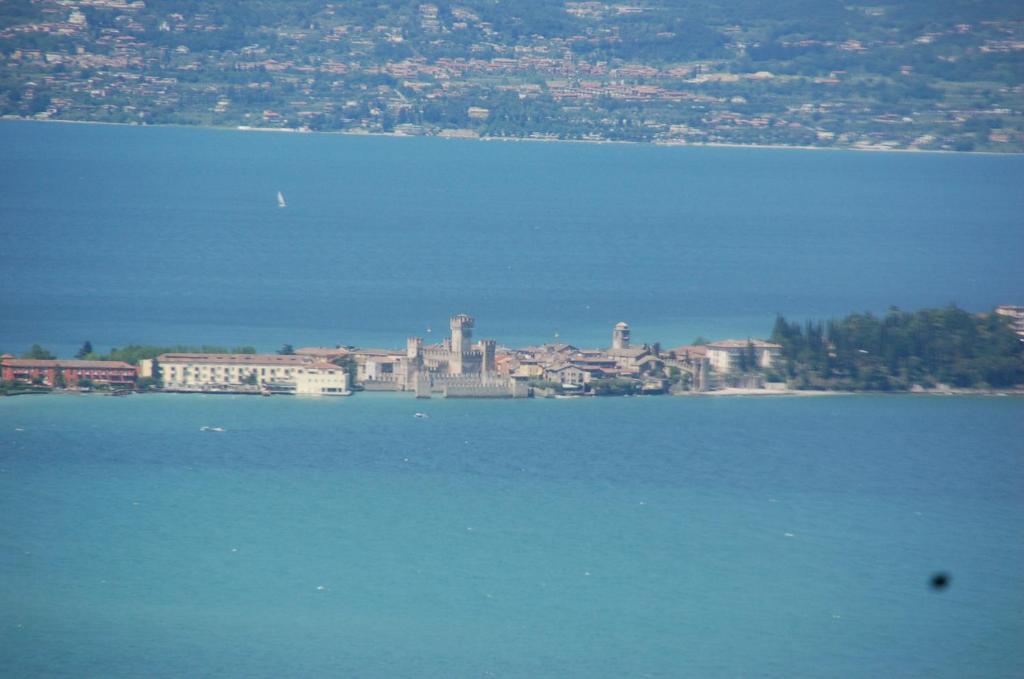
(661, 537)
(164, 235)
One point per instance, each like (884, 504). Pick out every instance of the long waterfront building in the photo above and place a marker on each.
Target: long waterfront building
(251, 372)
(70, 372)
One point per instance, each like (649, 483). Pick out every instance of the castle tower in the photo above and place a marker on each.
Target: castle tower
(462, 337)
(412, 364)
(620, 336)
(413, 348)
(487, 354)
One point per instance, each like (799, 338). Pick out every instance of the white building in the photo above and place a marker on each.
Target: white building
(221, 371)
(572, 375)
(1015, 314)
(321, 379)
(727, 355)
(240, 372)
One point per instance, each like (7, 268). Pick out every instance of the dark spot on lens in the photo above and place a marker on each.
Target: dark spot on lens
(940, 581)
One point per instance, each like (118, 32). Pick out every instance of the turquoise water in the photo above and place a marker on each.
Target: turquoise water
(781, 537)
(663, 537)
(118, 235)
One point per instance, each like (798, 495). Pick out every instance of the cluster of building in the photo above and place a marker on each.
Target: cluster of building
(458, 366)
(120, 61)
(236, 373)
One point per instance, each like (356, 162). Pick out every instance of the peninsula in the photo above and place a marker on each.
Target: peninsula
(933, 349)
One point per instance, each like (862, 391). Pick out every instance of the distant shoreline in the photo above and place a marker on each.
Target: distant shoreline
(350, 133)
(719, 393)
(728, 391)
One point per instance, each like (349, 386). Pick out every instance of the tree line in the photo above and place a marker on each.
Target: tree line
(901, 349)
(133, 353)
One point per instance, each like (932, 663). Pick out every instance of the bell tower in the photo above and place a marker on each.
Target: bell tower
(620, 336)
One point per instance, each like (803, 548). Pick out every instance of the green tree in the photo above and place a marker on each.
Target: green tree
(902, 349)
(38, 353)
(158, 376)
(286, 350)
(146, 383)
(614, 387)
(85, 350)
(749, 356)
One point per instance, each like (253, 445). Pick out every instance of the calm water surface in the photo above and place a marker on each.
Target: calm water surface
(659, 537)
(624, 537)
(167, 235)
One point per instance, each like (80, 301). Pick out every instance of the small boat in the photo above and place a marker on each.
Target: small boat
(421, 415)
(280, 200)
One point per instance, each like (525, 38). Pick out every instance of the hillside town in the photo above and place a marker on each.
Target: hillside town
(855, 77)
(456, 367)
(461, 367)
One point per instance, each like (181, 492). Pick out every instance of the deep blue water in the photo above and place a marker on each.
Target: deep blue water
(118, 235)
(662, 537)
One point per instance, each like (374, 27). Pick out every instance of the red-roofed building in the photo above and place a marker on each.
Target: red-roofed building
(73, 372)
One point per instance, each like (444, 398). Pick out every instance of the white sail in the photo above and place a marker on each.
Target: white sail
(280, 199)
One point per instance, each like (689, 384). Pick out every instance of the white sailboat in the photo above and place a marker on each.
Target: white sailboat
(280, 200)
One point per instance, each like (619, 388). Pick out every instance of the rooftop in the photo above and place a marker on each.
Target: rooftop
(240, 359)
(738, 344)
(64, 363)
(322, 351)
(379, 352)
